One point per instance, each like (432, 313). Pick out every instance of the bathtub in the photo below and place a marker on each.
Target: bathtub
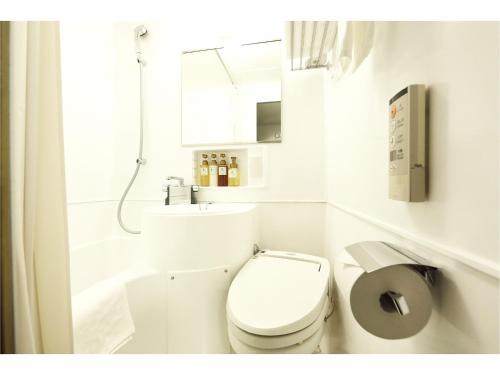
(120, 259)
(177, 268)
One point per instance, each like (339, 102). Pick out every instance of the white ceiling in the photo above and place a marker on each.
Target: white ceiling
(203, 35)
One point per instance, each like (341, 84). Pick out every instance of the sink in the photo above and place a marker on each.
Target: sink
(197, 249)
(198, 236)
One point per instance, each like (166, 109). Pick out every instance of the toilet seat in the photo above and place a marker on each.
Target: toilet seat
(281, 341)
(278, 301)
(308, 346)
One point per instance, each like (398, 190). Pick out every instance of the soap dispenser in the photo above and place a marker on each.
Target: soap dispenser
(234, 173)
(213, 171)
(222, 172)
(204, 178)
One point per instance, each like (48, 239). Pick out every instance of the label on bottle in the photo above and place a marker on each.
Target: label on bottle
(222, 171)
(204, 171)
(213, 170)
(233, 172)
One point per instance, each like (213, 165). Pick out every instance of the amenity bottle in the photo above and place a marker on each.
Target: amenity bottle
(213, 171)
(204, 178)
(222, 171)
(234, 173)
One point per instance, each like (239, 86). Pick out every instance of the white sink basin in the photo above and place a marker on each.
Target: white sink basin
(198, 236)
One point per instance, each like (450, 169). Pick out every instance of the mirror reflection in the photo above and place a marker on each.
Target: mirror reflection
(232, 94)
(269, 122)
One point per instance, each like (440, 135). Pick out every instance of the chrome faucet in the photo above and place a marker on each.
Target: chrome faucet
(166, 188)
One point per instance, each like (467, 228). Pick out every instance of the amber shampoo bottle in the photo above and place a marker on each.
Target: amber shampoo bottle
(222, 172)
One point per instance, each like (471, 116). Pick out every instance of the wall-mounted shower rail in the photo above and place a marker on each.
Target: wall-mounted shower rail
(306, 49)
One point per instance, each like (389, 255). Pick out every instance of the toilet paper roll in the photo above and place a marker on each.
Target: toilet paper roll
(374, 310)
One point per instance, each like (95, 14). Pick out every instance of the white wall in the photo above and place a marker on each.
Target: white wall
(87, 86)
(293, 168)
(101, 113)
(459, 64)
(87, 64)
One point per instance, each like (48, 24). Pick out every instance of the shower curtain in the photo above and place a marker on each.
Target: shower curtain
(6, 294)
(42, 298)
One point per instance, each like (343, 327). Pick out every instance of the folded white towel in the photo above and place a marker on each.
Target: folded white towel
(102, 322)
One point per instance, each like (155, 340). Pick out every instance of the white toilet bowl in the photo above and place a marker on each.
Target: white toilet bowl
(278, 302)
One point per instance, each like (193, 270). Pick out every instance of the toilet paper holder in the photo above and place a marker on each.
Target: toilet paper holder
(397, 301)
(374, 255)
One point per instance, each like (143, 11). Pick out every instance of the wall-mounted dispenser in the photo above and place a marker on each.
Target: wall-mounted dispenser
(407, 164)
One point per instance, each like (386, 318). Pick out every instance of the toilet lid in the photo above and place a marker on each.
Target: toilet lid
(277, 293)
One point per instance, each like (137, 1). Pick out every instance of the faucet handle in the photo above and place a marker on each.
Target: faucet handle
(180, 180)
(194, 189)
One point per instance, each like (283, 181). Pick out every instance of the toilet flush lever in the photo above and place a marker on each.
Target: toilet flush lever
(256, 249)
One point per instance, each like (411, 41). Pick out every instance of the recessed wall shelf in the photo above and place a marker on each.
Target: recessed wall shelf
(250, 161)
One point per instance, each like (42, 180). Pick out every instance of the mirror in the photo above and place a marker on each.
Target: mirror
(269, 122)
(232, 95)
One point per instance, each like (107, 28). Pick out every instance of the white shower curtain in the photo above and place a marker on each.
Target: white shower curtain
(353, 43)
(42, 298)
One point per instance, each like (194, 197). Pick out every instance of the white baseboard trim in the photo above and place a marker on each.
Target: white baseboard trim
(89, 244)
(478, 263)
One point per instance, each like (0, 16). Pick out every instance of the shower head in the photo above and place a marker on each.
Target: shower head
(139, 32)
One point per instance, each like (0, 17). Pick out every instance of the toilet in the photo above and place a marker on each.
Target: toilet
(277, 303)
